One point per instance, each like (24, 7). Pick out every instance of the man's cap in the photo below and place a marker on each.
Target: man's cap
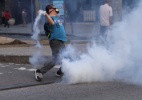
(50, 6)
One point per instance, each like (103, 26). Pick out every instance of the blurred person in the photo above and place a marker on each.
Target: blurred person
(2, 17)
(57, 38)
(24, 17)
(7, 17)
(106, 14)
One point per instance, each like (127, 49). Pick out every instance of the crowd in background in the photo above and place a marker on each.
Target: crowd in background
(5, 17)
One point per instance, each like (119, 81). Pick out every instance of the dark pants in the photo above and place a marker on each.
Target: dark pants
(56, 46)
(103, 35)
(6, 23)
(103, 30)
(3, 20)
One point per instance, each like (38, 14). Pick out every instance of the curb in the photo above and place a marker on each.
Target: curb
(23, 34)
(17, 59)
(17, 86)
(14, 59)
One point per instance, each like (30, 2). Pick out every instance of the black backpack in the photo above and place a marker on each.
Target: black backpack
(47, 29)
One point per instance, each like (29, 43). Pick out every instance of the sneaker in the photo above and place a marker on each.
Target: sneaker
(38, 75)
(59, 73)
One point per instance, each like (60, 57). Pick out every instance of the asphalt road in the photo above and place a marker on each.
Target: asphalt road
(18, 83)
(22, 75)
(86, 91)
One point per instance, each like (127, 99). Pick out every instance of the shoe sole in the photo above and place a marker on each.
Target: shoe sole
(58, 75)
(36, 77)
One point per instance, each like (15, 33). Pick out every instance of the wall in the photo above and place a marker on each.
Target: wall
(117, 10)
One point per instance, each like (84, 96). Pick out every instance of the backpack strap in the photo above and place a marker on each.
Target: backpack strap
(47, 29)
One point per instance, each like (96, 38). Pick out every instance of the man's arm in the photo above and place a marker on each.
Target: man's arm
(110, 16)
(110, 20)
(49, 19)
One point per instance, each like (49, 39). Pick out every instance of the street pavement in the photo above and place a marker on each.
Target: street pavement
(15, 69)
(86, 91)
(22, 75)
(17, 74)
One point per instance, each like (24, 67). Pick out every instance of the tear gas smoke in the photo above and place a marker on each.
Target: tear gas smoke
(121, 61)
(37, 58)
(36, 30)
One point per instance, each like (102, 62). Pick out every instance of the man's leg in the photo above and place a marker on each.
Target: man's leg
(5, 23)
(103, 34)
(56, 47)
(47, 66)
(102, 31)
(50, 63)
(56, 52)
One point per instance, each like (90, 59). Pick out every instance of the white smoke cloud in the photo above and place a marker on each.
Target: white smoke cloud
(121, 61)
(36, 30)
(37, 59)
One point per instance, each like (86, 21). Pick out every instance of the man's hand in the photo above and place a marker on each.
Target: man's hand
(50, 21)
(42, 12)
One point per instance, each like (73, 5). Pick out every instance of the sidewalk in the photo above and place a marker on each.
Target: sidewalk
(19, 53)
(84, 29)
(16, 30)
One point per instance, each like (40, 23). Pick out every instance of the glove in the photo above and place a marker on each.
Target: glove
(42, 12)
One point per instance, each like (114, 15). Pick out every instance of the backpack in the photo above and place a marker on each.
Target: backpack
(47, 29)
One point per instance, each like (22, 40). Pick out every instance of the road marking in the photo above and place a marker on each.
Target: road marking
(18, 64)
(4, 65)
(21, 68)
(31, 69)
(11, 63)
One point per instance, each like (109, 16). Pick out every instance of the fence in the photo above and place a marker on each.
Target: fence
(89, 15)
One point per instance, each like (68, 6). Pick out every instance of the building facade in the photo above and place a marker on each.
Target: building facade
(74, 10)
